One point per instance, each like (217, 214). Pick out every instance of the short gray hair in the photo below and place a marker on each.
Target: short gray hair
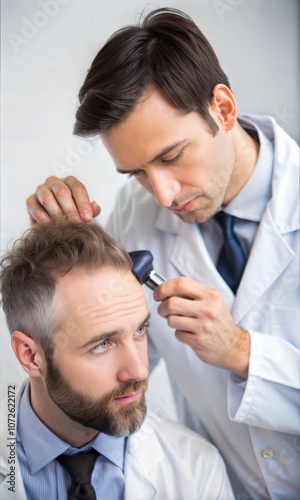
(29, 271)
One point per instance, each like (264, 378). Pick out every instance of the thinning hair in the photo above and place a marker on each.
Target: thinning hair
(30, 270)
(166, 51)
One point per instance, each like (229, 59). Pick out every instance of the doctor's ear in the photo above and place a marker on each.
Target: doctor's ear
(29, 353)
(224, 105)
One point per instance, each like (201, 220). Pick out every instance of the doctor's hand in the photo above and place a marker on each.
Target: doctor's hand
(56, 196)
(201, 320)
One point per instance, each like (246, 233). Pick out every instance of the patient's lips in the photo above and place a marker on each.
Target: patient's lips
(129, 398)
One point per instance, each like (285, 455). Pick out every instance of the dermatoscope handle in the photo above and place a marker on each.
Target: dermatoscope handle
(142, 268)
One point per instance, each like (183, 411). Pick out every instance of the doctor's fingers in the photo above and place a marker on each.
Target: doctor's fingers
(210, 305)
(184, 287)
(184, 324)
(191, 332)
(35, 211)
(206, 347)
(73, 198)
(61, 196)
(44, 206)
(181, 306)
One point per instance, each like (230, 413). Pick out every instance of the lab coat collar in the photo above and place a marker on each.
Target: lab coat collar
(284, 207)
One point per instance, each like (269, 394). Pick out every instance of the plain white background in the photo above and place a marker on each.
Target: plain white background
(47, 46)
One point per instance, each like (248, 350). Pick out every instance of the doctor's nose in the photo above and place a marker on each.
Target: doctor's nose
(164, 188)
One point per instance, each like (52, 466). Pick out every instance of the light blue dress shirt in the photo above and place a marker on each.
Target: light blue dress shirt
(250, 203)
(44, 478)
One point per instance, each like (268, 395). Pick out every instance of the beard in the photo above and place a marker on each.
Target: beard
(99, 414)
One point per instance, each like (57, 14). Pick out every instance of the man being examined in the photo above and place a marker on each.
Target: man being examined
(78, 321)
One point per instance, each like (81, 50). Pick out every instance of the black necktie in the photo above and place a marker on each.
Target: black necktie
(80, 468)
(232, 258)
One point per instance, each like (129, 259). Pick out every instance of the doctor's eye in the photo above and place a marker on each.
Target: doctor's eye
(133, 173)
(167, 161)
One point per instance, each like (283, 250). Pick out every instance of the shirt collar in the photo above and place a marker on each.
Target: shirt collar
(110, 447)
(251, 201)
(42, 446)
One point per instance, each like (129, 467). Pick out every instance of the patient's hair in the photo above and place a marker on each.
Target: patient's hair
(165, 51)
(29, 271)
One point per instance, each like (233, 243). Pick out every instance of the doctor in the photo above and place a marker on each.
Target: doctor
(163, 108)
(79, 320)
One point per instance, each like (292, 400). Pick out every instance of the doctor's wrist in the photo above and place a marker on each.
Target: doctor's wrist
(241, 354)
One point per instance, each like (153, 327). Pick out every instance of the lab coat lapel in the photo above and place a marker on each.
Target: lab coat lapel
(269, 257)
(143, 454)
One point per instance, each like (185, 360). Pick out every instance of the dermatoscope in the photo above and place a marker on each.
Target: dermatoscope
(142, 268)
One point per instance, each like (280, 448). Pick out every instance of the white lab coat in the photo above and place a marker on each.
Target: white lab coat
(163, 461)
(255, 424)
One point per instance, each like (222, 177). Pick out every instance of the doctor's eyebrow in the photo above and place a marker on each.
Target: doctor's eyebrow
(108, 335)
(159, 155)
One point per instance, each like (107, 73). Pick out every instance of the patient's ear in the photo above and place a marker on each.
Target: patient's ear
(29, 354)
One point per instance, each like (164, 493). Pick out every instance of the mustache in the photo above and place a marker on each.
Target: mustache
(128, 387)
(180, 202)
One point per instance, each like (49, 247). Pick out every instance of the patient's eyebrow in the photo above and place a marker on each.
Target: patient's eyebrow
(100, 338)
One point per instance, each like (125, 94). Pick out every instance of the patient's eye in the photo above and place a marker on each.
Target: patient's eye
(102, 347)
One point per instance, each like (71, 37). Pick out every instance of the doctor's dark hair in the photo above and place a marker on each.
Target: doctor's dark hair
(166, 52)
(30, 270)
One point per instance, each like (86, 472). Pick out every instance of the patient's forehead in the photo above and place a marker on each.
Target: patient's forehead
(93, 302)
